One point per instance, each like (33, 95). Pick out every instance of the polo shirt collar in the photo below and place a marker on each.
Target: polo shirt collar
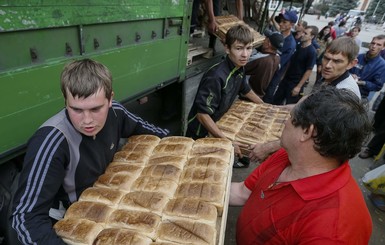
(232, 66)
(321, 185)
(334, 83)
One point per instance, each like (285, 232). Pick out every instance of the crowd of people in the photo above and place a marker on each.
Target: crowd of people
(303, 190)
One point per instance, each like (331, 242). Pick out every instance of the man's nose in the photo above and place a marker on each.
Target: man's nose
(87, 117)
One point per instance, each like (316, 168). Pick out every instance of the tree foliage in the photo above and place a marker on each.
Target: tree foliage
(379, 7)
(342, 6)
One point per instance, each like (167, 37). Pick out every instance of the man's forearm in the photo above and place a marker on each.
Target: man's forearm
(253, 97)
(210, 125)
(305, 77)
(238, 194)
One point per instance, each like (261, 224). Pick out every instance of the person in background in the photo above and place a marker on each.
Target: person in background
(71, 150)
(301, 65)
(353, 33)
(341, 29)
(372, 149)
(333, 33)
(286, 22)
(213, 9)
(305, 193)
(324, 39)
(339, 57)
(369, 72)
(264, 64)
(299, 28)
(375, 144)
(221, 85)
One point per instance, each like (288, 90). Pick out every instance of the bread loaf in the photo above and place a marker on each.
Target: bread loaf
(121, 181)
(204, 175)
(144, 201)
(203, 191)
(172, 149)
(131, 157)
(214, 142)
(107, 196)
(119, 236)
(259, 123)
(144, 138)
(177, 161)
(213, 163)
(177, 140)
(190, 209)
(119, 167)
(144, 222)
(142, 148)
(186, 232)
(93, 211)
(210, 151)
(75, 231)
(151, 184)
(166, 171)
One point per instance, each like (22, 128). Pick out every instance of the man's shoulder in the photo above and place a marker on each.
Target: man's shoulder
(218, 70)
(361, 56)
(289, 41)
(350, 84)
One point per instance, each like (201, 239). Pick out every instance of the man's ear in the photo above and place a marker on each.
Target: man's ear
(112, 97)
(227, 49)
(352, 64)
(308, 133)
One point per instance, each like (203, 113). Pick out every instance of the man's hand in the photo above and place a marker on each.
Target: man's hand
(260, 151)
(237, 149)
(295, 91)
(212, 27)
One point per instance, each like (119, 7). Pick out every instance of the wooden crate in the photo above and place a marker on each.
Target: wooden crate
(224, 23)
(195, 51)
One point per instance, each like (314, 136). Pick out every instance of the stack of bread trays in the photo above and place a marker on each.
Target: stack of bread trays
(225, 22)
(156, 191)
(250, 123)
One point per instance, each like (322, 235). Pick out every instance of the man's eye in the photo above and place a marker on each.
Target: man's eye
(95, 110)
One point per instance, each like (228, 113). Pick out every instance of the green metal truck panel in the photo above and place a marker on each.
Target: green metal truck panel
(143, 43)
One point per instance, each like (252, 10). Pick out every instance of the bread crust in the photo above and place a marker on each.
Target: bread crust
(104, 195)
(120, 236)
(190, 209)
(93, 211)
(144, 222)
(77, 231)
(144, 201)
(186, 232)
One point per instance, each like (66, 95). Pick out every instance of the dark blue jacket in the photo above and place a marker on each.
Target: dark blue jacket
(372, 71)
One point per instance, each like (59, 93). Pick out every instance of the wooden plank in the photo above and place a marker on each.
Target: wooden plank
(194, 52)
(222, 221)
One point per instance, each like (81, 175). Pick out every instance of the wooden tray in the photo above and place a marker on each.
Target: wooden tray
(224, 23)
(222, 221)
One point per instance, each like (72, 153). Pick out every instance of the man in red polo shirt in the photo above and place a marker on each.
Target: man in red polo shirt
(305, 192)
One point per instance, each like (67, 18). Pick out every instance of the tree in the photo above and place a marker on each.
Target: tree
(375, 11)
(339, 6)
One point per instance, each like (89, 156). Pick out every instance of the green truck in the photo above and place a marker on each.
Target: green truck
(143, 42)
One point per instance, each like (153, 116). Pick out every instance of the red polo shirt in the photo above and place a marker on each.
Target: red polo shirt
(323, 209)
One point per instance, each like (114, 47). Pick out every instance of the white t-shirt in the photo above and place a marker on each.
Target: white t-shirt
(351, 84)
